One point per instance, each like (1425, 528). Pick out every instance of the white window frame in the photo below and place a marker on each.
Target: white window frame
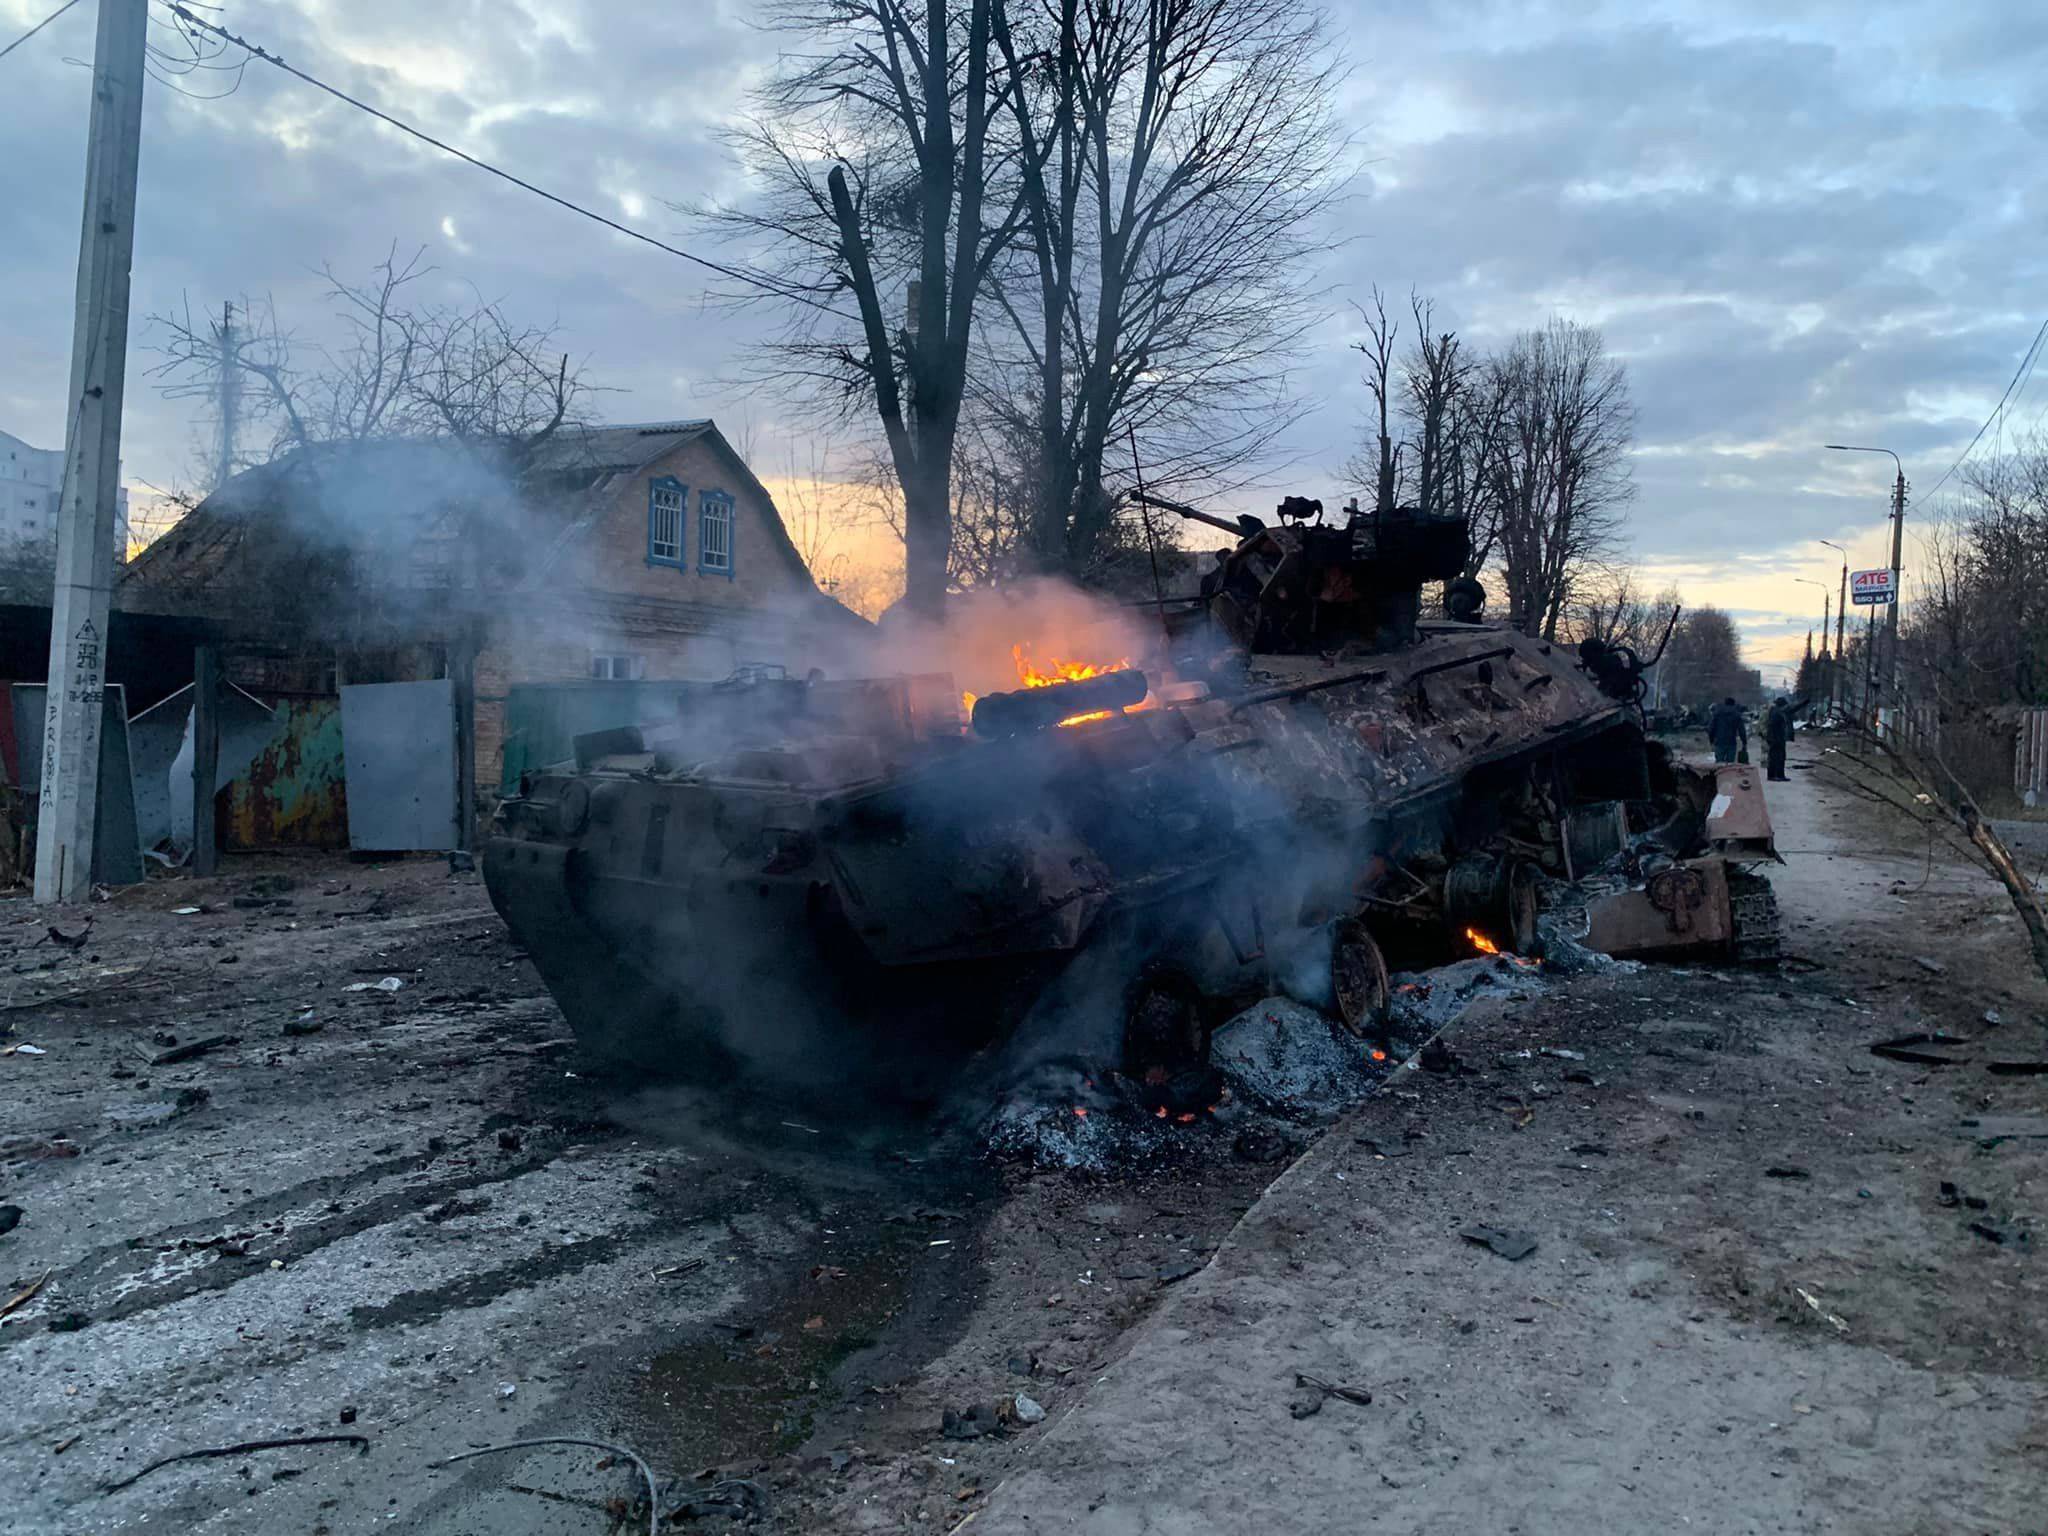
(715, 512)
(667, 501)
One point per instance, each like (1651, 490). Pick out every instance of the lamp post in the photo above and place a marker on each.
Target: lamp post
(1841, 615)
(1898, 539)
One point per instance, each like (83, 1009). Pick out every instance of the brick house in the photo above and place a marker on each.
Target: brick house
(641, 551)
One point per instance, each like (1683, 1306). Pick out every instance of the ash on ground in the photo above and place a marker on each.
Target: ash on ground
(1281, 1067)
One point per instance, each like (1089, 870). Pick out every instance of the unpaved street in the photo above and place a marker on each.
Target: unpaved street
(414, 1219)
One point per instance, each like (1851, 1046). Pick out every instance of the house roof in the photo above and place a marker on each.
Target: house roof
(619, 449)
(410, 484)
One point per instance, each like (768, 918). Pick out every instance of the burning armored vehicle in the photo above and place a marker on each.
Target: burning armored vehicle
(829, 881)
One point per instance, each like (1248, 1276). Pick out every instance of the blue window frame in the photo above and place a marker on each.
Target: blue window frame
(715, 533)
(667, 497)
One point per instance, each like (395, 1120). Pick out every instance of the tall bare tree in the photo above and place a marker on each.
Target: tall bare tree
(1434, 432)
(885, 186)
(1381, 460)
(1172, 157)
(1560, 464)
(1125, 188)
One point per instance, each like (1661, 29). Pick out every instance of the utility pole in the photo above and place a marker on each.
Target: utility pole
(1825, 595)
(1891, 623)
(229, 398)
(87, 512)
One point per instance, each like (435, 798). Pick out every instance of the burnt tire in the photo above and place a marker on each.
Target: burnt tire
(1358, 980)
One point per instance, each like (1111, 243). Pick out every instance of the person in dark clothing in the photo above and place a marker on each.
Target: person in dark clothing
(1728, 731)
(1778, 735)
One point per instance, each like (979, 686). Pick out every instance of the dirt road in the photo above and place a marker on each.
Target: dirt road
(409, 1214)
(389, 1204)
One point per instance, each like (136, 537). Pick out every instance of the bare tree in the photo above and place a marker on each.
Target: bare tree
(1172, 156)
(1559, 464)
(1130, 184)
(396, 369)
(1434, 436)
(1981, 618)
(1382, 335)
(1608, 604)
(401, 451)
(1705, 661)
(885, 186)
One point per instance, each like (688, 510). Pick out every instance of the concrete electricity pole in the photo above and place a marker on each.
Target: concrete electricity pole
(1891, 623)
(87, 518)
(229, 398)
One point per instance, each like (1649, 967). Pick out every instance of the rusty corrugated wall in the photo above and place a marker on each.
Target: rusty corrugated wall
(293, 793)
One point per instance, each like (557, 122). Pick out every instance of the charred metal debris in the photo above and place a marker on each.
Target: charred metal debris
(858, 885)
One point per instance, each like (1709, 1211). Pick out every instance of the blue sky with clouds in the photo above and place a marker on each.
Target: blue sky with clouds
(1797, 222)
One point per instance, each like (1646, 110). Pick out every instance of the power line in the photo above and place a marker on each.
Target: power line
(424, 137)
(32, 31)
(2025, 369)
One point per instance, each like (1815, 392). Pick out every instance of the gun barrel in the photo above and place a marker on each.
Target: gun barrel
(1181, 509)
(1019, 713)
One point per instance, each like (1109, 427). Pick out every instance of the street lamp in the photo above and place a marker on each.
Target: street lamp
(1841, 619)
(1841, 602)
(1898, 539)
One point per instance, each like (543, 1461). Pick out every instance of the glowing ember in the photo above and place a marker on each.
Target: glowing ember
(1160, 1112)
(1031, 676)
(1079, 1110)
(1187, 1119)
(1378, 1054)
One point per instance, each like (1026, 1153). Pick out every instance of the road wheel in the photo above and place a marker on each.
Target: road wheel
(1358, 978)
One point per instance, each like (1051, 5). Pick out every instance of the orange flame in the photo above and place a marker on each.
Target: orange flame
(1378, 1054)
(1031, 676)
(1486, 946)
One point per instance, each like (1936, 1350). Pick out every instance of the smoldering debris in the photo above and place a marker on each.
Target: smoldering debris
(1282, 1067)
(1288, 1057)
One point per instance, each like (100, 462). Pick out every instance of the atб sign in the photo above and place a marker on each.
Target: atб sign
(1866, 587)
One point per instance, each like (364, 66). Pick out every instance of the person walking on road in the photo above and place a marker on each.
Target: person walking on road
(1728, 731)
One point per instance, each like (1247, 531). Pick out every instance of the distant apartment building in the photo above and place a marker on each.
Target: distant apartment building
(31, 480)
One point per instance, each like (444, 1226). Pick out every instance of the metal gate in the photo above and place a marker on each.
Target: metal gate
(398, 742)
(2030, 756)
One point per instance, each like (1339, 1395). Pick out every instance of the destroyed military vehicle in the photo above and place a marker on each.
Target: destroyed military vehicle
(845, 883)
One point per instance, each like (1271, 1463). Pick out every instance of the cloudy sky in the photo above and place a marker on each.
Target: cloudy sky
(1799, 221)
